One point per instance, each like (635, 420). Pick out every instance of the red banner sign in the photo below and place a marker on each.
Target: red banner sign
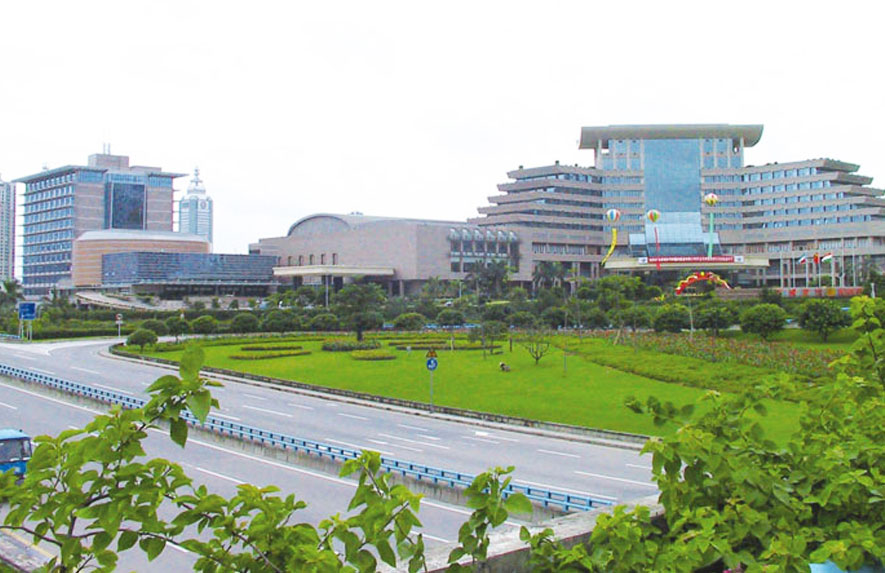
(692, 259)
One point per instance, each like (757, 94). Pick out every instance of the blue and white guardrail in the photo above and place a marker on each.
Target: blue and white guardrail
(566, 501)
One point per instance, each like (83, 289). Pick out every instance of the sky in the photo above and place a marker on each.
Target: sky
(419, 109)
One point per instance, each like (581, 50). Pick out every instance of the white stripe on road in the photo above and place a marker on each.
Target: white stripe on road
(358, 447)
(43, 371)
(266, 411)
(488, 435)
(435, 538)
(23, 357)
(44, 397)
(643, 483)
(229, 417)
(112, 389)
(303, 407)
(434, 438)
(354, 416)
(379, 442)
(565, 489)
(638, 466)
(408, 441)
(481, 440)
(406, 426)
(5, 405)
(88, 371)
(551, 452)
(219, 476)
(254, 397)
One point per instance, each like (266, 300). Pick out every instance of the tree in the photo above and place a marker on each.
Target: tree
(244, 322)
(522, 319)
(536, 341)
(141, 338)
(823, 317)
(763, 319)
(10, 294)
(358, 304)
(596, 318)
(715, 316)
(177, 326)
(554, 317)
(205, 324)
(278, 321)
(157, 326)
(450, 318)
(671, 318)
(770, 296)
(490, 279)
(635, 316)
(410, 321)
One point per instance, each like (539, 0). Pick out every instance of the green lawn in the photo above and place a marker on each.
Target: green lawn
(582, 393)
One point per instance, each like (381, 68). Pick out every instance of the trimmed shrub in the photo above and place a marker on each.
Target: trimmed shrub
(155, 325)
(204, 324)
(269, 355)
(671, 318)
(339, 345)
(376, 354)
(244, 322)
(325, 322)
(410, 321)
(763, 319)
(141, 338)
(258, 348)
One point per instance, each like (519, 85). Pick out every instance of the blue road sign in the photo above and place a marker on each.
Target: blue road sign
(27, 310)
(432, 364)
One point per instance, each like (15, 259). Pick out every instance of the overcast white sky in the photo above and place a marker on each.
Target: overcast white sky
(419, 109)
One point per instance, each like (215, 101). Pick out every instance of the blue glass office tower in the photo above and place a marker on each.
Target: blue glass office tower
(61, 204)
(774, 213)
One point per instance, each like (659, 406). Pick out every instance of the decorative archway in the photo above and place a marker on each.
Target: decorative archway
(701, 276)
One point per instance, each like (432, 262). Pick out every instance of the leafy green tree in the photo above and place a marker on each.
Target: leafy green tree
(671, 318)
(410, 321)
(490, 279)
(324, 322)
(278, 321)
(244, 322)
(770, 296)
(141, 338)
(205, 324)
(636, 317)
(157, 326)
(596, 318)
(823, 317)
(763, 319)
(450, 319)
(554, 317)
(176, 326)
(10, 294)
(536, 342)
(357, 305)
(234, 305)
(522, 319)
(716, 316)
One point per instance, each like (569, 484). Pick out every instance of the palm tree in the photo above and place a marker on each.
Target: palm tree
(10, 294)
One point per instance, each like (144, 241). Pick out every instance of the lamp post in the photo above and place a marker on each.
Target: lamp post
(711, 199)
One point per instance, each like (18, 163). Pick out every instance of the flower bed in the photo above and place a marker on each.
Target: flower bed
(258, 348)
(375, 354)
(339, 345)
(268, 355)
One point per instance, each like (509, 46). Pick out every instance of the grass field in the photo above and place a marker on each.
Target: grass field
(578, 392)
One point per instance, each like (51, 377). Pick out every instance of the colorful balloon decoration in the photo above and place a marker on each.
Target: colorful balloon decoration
(700, 276)
(653, 215)
(711, 199)
(612, 215)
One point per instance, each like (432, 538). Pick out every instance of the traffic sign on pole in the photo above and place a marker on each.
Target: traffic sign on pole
(432, 363)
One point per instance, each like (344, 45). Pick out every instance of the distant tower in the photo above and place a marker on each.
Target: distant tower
(7, 229)
(195, 210)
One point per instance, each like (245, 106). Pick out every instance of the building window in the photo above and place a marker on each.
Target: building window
(334, 258)
(323, 259)
(311, 260)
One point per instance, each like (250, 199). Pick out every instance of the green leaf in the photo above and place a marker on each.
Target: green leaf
(191, 362)
(178, 431)
(518, 503)
(152, 546)
(127, 539)
(198, 403)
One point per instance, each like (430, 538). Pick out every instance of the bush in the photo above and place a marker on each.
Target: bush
(244, 322)
(340, 345)
(763, 319)
(635, 317)
(554, 317)
(268, 355)
(258, 348)
(823, 317)
(410, 321)
(372, 355)
(155, 325)
(204, 324)
(325, 322)
(715, 316)
(595, 318)
(141, 338)
(671, 318)
(278, 321)
(177, 326)
(522, 319)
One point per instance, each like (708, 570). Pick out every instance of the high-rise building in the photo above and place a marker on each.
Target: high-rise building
(195, 210)
(61, 204)
(769, 220)
(7, 230)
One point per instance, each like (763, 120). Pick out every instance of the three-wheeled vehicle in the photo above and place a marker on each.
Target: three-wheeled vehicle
(15, 451)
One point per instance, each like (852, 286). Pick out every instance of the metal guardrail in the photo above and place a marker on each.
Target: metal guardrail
(567, 502)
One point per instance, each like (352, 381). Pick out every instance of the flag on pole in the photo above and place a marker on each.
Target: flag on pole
(803, 260)
(817, 258)
(826, 258)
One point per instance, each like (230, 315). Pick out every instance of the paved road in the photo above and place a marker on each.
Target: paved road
(605, 472)
(219, 468)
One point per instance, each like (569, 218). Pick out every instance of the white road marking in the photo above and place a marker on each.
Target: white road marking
(88, 371)
(11, 407)
(551, 452)
(332, 405)
(302, 406)
(43, 371)
(494, 437)
(588, 474)
(219, 476)
(379, 442)
(266, 411)
(565, 489)
(434, 438)
(57, 401)
(112, 389)
(408, 441)
(254, 397)
(435, 538)
(481, 440)
(358, 447)
(23, 357)
(638, 466)
(406, 426)
(354, 416)
(227, 416)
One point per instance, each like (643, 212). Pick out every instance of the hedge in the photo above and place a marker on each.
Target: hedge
(349, 345)
(258, 348)
(268, 356)
(372, 355)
